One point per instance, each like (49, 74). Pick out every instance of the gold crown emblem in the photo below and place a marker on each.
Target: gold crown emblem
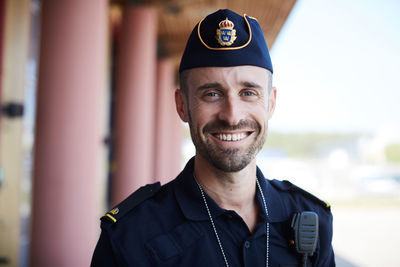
(226, 35)
(226, 24)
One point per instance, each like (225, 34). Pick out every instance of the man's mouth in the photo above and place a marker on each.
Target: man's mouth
(231, 136)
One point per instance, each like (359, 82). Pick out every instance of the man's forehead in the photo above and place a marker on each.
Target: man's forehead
(220, 74)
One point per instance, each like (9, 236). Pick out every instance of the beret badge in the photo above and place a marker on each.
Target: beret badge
(226, 35)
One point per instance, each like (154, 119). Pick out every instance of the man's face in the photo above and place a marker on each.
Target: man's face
(228, 110)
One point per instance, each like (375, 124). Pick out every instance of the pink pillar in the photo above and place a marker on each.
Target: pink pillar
(2, 41)
(135, 93)
(168, 131)
(68, 140)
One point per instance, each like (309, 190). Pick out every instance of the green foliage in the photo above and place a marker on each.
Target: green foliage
(393, 153)
(304, 144)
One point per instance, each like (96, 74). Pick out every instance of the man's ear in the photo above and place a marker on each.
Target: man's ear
(271, 102)
(181, 105)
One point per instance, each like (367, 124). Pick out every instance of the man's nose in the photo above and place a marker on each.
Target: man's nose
(231, 111)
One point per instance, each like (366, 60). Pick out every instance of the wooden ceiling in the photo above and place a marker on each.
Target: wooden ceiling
(177, 18)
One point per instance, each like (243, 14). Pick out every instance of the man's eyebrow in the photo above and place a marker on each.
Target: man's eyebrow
(251, 85)
(209, 86)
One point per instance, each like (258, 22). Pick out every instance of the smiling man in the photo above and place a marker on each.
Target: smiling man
(221, 210)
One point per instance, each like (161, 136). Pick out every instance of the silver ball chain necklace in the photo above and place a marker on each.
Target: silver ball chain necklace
(215, 229)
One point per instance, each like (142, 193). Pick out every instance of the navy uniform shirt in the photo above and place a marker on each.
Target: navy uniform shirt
(170, 226)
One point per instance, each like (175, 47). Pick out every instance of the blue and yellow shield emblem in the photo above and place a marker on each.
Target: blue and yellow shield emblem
(226, 35)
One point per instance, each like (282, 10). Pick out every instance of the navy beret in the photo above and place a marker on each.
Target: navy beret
(225, 39)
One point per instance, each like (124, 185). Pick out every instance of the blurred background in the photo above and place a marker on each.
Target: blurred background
(87, 116)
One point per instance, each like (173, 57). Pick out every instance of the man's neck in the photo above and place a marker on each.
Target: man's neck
(230, 190)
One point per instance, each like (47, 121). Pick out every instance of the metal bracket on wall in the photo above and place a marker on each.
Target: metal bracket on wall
(4, 260)
(13, 110)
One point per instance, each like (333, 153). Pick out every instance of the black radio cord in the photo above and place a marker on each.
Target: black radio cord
(304, 260)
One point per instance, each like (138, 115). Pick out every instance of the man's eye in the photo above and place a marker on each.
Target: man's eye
(248, 93)
(212, 94)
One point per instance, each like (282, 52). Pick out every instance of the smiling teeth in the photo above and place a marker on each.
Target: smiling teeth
(231, 137)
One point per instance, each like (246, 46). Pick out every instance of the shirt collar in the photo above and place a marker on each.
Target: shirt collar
(189, 198)
(277, 211)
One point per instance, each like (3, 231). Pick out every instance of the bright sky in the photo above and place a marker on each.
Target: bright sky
(336, 67)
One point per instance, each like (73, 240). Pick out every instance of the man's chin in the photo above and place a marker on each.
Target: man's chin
(230, 164)
(226, 159)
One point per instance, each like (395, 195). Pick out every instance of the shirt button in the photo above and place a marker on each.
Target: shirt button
(247, 244)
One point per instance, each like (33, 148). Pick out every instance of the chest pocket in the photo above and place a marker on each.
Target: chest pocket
(167, 246)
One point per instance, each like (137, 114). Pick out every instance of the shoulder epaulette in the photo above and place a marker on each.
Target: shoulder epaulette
(132, 201)
(288, 186)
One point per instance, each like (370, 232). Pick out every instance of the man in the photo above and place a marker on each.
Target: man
(220, 210)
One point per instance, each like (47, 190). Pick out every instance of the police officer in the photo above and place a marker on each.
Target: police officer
(220, 210)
